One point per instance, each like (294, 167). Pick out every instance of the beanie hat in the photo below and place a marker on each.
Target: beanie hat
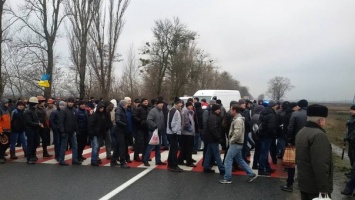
(352, 107)
(62, 103)
(293, 104)
(215, 107)
(159, 101)
(241, 101)
(212, 102)
(137, 101)
(144, 99)
(272, 103)
(302, 103)
(218, 101)
(114, 102)
(317, 110)
(258, 109)
(177, 100)
(232, 103)
(71, 99)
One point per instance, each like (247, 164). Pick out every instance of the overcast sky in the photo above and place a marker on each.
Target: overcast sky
(310, 42)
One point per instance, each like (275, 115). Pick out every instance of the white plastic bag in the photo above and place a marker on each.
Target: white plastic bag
(155, 138)
(320, 197)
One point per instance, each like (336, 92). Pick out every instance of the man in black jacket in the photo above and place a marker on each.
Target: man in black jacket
(97, 127)
(82, 134)
(54, 123)
(142, 136)
(213, 138)
(68, 128)
(18, 129)
(267, 135)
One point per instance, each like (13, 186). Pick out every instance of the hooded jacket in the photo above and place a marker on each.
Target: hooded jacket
(213, 129)
(5, 118)
(31, 119)
(237, 129)
(97, 123)
(268, 122)
(82, 120)
(17, 121)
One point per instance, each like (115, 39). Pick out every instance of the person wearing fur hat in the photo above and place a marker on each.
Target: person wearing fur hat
(314, 155)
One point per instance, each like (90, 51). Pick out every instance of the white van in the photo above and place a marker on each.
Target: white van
(226, 96)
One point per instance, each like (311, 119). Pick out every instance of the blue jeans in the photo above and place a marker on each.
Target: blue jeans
(281, 145)
(235, 152)
(14, 137)
(212, 150)
(74, 146)
(156, 150)
(94, 149)
(264, 154)
(197, 140)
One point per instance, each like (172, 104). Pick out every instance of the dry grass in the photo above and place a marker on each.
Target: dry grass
(335, 123)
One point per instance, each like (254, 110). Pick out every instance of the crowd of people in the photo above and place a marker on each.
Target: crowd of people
(183, 129)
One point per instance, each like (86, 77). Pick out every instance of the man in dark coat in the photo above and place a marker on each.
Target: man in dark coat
(142, 136)
(267, 135)
(97, 126)
(314, 155)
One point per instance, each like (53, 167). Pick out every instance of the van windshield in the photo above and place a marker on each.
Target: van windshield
(204, 97)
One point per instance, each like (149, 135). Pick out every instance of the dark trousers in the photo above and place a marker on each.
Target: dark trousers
(57, 140)
(309, 196)
(290, 176)
(273, 150)
(351, 153)
(128, 142)
(32, 143)
(146, 139)
(44, 133)
(173, 151)
(119, 147)
(82, 140)
(3, 147)
(245, 150)
(187, 145)
(138, 143)
(257, 152)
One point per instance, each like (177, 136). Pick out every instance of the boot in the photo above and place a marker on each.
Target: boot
(13, 155)
(45, 153)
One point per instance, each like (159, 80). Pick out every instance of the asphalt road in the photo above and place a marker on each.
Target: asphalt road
(48, 181)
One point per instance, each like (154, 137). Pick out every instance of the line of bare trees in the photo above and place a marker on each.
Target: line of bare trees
(169, 65)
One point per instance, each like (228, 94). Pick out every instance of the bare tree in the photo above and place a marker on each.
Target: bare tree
(2, 83)
(42, 18)
(278, 86)
(81, 14)
(105, 35)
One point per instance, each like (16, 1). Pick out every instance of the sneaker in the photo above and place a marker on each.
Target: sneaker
(95, 164)
(251, 178)
(287, 188)
(191, 165)
(76, 163)
(176, 169)
(31, 162)
(114, 164)
(47, 155)
(146, 164)
(224, 181)
(263, 173)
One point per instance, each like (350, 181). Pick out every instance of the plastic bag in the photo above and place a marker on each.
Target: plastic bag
(154, 140)
(326, 197)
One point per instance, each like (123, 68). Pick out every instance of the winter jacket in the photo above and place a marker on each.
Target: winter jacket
(297, 122)
(237, 129)
(314, 160)
(42, 116)
(54, 120)
(213, 129)
(121, 120)
(246, 115)
(155, 119)
(129, 114)
(82, 118)
(67, 120)
(188, 123)
(280, 116)
(31, 119)
(17, 121)
(199, 113)
(140, 115)
(5, 119)
(268, 123)
(286, 122)
(98, 121)
(176, 122)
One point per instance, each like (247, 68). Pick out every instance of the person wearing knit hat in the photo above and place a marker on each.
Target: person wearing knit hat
(272, 103)
(212, 137)
(314, 155)
(350, 138)
(302, 103)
